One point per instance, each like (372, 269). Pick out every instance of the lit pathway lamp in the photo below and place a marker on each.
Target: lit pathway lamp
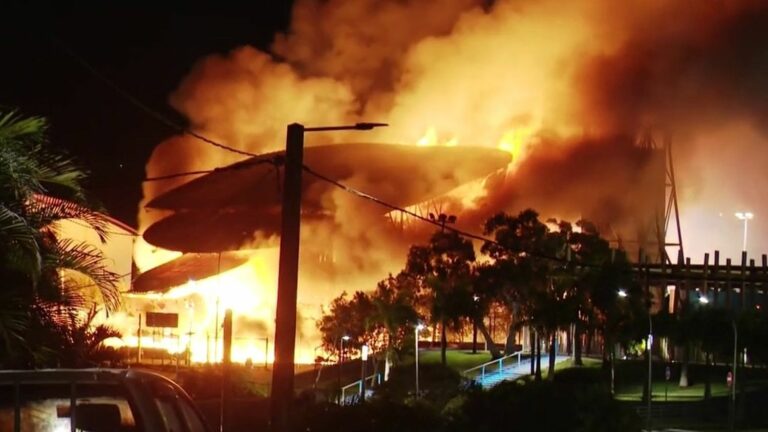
(288, 273)
(419, 327)
(746, 217)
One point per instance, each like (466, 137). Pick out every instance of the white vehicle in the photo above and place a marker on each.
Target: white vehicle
(95, 400)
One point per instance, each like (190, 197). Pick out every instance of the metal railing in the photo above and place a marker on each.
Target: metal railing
(490, 367)
(359, 385)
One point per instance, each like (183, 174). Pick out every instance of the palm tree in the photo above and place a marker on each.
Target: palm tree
(44, 277)
(82, 341)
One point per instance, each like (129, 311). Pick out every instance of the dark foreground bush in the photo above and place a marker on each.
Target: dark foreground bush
(375, 416)
(543, 406)
(437, 384)
(578, 401)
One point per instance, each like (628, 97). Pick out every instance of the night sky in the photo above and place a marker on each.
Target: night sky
(145, 51)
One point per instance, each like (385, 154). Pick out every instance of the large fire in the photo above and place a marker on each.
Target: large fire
(539, 80)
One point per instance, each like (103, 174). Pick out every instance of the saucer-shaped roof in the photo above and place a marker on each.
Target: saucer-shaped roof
(191, 266)
(209, 230)
(400, 174)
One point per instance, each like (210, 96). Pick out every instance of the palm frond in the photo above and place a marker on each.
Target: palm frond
(60, 174)
(18, 179)
(44, 210)
(19, 242)
(100, 333)
(16, 128)
(89, 261)
(14, 319)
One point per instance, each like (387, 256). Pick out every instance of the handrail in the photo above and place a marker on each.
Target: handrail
(368, 378)
(359, 384)
(498, 360)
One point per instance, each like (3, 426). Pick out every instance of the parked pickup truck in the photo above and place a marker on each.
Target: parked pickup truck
(95, 400)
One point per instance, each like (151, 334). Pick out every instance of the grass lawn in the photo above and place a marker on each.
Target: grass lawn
(673, 391)
(456, 359)
(588, 363)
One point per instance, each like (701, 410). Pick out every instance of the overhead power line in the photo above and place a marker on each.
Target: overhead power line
(370, 197)
(417, 216)
(177, 175)
(127, 234)
(146, 108)
(275, 161)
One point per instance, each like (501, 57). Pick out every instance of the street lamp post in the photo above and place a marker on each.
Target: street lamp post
(288, 272)
(650, 364)
(476, 298)
(746, 217)
(341, 362)
(622, 293)
(363, 361)
(733, 381)
(419, 327)
(442, 219)
(704, 300)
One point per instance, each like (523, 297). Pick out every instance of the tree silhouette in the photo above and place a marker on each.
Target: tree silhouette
(531, 264)
(444, 269)
(45, 277)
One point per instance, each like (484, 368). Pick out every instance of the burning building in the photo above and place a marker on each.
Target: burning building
(225, 225)
(554, 93)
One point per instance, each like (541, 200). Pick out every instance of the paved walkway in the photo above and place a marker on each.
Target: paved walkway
(514, 371)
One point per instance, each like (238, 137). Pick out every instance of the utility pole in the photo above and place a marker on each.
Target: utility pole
(287, 281)
(288, 274)
(138, 344)
(216, 330)
(226, 381)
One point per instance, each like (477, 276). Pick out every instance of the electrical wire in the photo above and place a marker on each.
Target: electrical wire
(177, 175)
(417, 216)
(144, 107)
(75, 221)
(275, 161)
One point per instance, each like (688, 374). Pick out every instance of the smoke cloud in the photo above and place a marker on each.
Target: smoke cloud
(567, 87)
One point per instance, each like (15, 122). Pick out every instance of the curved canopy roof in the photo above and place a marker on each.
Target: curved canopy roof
(230, 207)
(400, 174)
(188, 266)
